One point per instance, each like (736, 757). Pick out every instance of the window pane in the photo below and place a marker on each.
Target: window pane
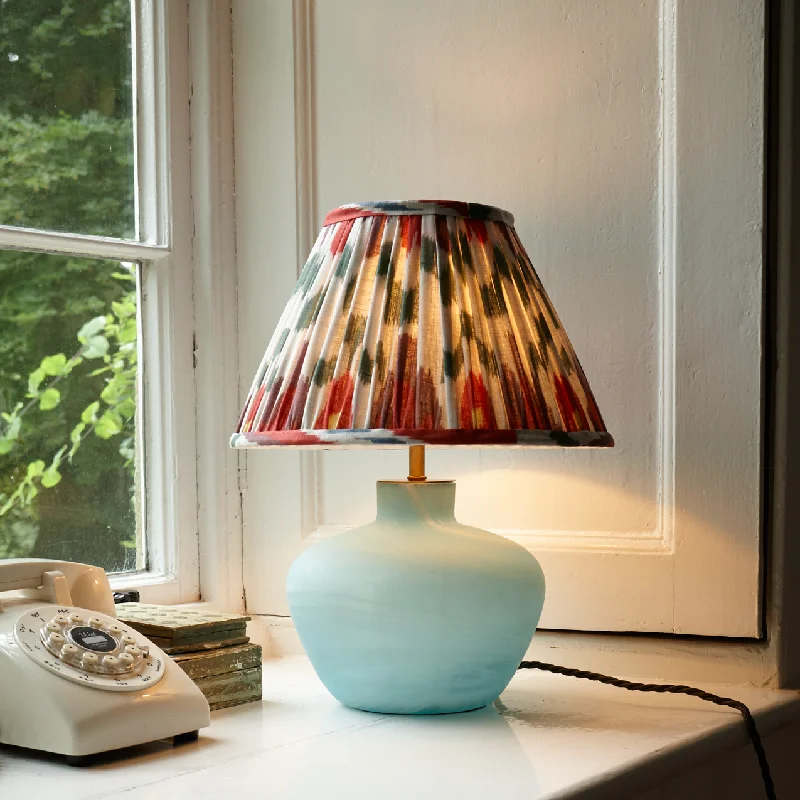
(68, 391)
(66, 132)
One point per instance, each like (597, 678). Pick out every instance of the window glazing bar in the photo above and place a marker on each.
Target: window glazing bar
(32, 240)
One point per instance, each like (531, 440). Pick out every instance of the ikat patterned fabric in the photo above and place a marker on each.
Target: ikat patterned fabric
(419, 323)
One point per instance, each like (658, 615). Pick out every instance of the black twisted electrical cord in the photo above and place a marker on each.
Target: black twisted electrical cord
(668, 688)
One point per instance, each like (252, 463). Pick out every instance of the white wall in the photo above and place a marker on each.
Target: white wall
(626, 139)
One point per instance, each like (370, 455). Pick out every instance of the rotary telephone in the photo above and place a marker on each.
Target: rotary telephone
(73, 679)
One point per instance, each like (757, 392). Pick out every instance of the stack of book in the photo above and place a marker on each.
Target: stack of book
(211, 648)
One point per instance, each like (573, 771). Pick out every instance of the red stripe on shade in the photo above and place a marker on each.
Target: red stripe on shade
(345, 214)
(340, 237)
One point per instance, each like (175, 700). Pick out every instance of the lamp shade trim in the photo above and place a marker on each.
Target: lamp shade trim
(412, 327)
(324, 439)
(441, 208)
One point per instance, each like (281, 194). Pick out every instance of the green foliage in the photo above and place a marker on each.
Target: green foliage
(108, 338)
(67, 324)
(53, 164)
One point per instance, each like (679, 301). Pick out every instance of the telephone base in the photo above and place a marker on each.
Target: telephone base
(49, 704)
(185, 738)
(79, 761)
(93, 758)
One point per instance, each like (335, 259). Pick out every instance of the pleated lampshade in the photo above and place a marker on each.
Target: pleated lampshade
(419, 323)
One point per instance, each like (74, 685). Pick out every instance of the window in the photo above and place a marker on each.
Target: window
(71, 472)
(95, 269)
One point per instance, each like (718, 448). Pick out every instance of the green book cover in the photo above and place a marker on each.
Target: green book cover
(209, 641)
(232, 688)
(219, 662)
(181, 625)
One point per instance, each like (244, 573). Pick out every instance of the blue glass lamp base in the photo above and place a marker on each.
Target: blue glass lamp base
(416, 613)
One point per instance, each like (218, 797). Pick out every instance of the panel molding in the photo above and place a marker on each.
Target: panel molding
(668, 272)
(544, 540)
(658, 541)
(311, 472)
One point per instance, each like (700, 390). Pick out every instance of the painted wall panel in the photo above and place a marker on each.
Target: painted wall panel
(626, 139)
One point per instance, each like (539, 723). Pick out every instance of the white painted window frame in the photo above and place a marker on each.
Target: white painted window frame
(184, 169)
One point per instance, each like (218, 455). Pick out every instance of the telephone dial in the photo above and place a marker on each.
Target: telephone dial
(73, 679)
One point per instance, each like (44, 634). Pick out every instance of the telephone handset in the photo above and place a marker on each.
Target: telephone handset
(63, 582)
(73, 679)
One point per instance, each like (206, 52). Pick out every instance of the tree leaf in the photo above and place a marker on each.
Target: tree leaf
(35, 469)
(90, 329)
(107, 426)
(14, 425)
(127, 408)
(50, 477)
(34, 381)
(95, 347)
(127, 333)
(49, 399)
(89, 414)
(54, 365)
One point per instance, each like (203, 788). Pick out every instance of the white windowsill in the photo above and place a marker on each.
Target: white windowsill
(550, 737)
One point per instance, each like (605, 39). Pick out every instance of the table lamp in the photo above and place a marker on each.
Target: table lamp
(418, 324)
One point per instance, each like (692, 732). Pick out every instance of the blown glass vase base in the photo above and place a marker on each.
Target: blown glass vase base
(416, 613)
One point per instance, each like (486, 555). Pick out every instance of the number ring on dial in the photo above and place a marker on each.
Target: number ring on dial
(88, 639)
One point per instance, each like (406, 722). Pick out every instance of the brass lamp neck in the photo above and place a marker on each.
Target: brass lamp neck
(416, 463)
